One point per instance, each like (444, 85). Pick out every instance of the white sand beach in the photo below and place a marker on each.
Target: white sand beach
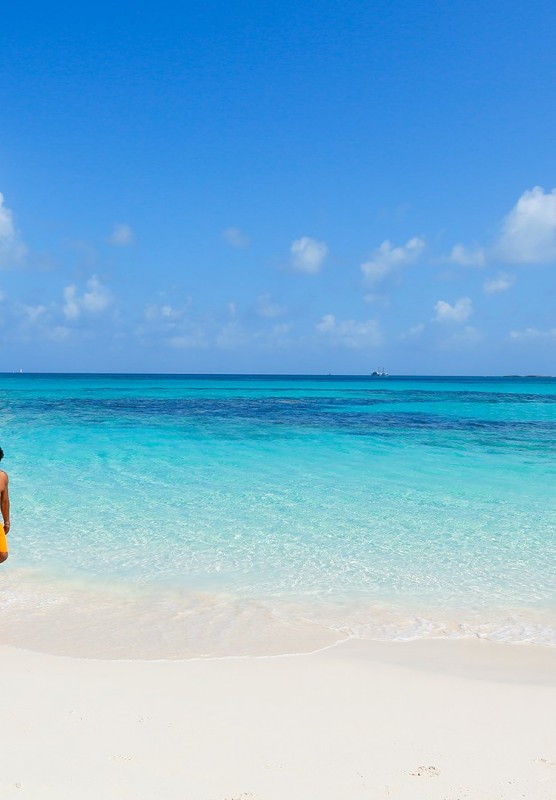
(446, 720)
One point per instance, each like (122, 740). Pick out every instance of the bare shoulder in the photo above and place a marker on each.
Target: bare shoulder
(3, 479)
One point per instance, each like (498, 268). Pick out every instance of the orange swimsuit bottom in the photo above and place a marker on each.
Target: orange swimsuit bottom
(3, 540)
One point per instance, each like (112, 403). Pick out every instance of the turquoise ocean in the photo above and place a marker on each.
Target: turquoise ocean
(161, 516)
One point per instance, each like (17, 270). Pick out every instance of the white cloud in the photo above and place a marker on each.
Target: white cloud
(530, 334)
(500, 283)
(307, 255)
(71, 306)
(235, 238)
(93, 301)
(267, 308)
(468, 256)
(387, 258)
(122, 235)
(349, 332)
(7, 230)
(12, 248)
(529, 231)
(459, 312)
(97, 298)
(527, 234)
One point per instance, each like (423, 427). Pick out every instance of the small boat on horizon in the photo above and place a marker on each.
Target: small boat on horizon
(380, 372)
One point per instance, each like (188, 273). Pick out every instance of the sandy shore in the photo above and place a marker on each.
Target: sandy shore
(441, 719)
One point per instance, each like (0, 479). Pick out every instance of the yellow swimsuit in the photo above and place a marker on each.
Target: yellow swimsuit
(3, 540)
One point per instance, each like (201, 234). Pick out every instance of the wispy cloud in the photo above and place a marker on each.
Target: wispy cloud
(466, 337)
(122, 235)
(388, 258)
(468, 256)
(267, 308)
(413, 332)
(194, 339)
(32, 314)
(164, 312)
(59, 333)
(12, 248)
(173, 326)
(349, 332)
(307, 254)
(235, 238)
(231, 336)
(7, 229)
(500, 283)
(377, 298)
(530, 334)
(458, 312)
(28, 323)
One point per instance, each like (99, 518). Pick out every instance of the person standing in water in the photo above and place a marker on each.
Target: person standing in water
(5, 507)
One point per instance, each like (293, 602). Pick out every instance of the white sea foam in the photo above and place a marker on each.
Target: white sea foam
(111, 621)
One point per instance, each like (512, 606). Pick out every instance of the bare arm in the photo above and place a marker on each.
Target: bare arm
(5, 505)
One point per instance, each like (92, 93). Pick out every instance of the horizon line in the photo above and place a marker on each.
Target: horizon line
(275, 374)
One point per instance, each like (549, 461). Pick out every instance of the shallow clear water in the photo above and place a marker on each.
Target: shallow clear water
(168, 516)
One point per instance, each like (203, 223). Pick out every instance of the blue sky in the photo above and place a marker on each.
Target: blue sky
(295, 187)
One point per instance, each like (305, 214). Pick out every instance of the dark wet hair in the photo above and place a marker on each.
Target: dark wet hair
(1, 454)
